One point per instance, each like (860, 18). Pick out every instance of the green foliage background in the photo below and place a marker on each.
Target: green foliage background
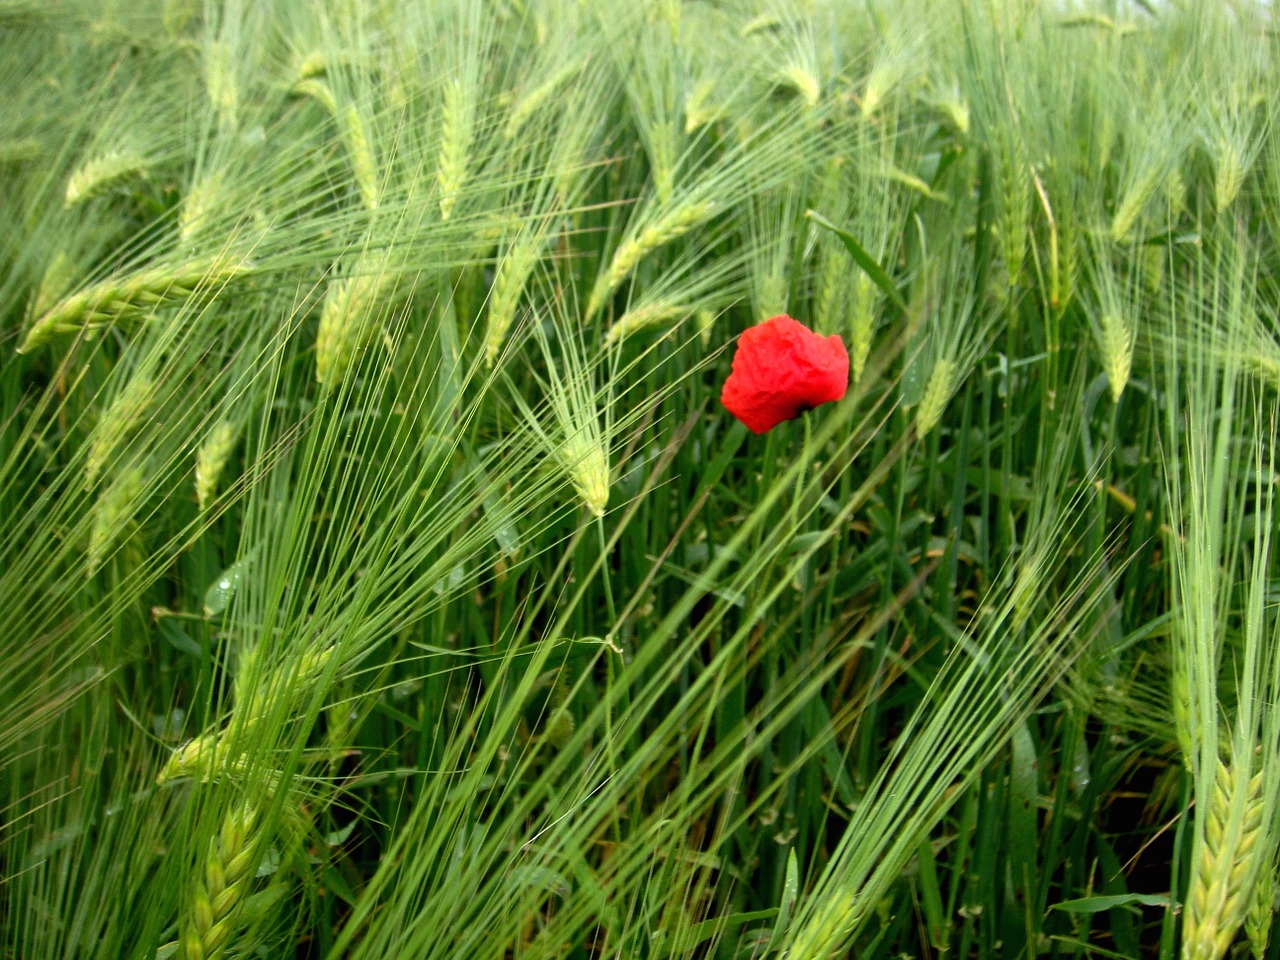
(380, 575)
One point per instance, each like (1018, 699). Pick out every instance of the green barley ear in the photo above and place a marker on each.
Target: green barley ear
(577, 437)
(862, 323)
(1180, 694)
(509, 281)
(122, 298)
(937, 394)
(364, 166)
(113, 515)
(530, 101)
(222, 83)
(701, 107)
(1112, 310)
(456, 130)
(353, 131)
(57, 279)
(1262, 909)
(100, 173)
(661, 227)
(774, 217)
(1117, 349)
(1228, 173)
(1225, 863)
(348, 321)
(222, 886)
(645, 317)
(584, 457)
(211, 459)
(1015, 198)
(319, 91)
(118, 421)
(199, 206)
(202, 757)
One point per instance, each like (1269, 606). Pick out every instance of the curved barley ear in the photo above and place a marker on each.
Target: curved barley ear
(585, 459)
(658, 314)
(666, 226)
(100, 173)
(222, 885)
(118, 299)
(353, 130)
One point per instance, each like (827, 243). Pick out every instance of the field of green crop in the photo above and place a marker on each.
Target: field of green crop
(383, 576)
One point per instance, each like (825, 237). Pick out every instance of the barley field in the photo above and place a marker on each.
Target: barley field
(390, 567)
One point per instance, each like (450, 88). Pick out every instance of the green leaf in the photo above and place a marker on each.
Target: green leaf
(1099, 904)
(867, 262)
(223, 589)
(178, 638)
(790, 893)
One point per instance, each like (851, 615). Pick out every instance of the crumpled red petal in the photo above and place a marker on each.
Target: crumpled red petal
(781, 369)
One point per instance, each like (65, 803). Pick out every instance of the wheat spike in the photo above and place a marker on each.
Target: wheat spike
(1225, 865)
(937, 393)
(222, 885)
(455, 142)
(119, 298)
(117, 422)
(99, 174)
(211, 458)
(671, 225)
(112, 514)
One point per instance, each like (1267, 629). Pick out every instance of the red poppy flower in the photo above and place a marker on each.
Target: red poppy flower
(781, 369)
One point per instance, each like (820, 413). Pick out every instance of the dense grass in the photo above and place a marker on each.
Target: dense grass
(380, 575)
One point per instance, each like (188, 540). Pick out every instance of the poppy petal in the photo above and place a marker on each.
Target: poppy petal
(781, 369)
